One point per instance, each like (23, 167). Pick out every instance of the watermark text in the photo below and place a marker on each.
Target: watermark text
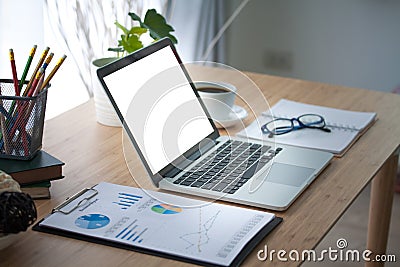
(341, 253)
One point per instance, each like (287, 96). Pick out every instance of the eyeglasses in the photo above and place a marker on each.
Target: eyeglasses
(282, 125)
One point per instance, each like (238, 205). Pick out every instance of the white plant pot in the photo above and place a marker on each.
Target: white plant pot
(105, 113)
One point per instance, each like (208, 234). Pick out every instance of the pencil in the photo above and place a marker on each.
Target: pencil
(22, 109)
(39, 85)
(3, 127)
(48, 60)
(27, 66)
(25, 116)
(4, 133)
(29, 106)
(41, 71)
(38, 66)
(32, 89)
(53, 71)
(14, 72)
(36, 81)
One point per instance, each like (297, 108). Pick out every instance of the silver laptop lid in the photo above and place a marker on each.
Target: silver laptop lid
(158, 107)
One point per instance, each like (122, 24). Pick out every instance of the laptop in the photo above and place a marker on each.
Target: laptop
(180, 146)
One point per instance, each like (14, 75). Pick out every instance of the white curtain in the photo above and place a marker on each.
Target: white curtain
(86, 27)
(213, 16)
(87, 30)
(196, 23)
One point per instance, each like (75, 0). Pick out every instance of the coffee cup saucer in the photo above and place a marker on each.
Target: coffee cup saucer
(238, 114)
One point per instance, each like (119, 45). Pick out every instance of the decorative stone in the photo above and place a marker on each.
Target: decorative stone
(8, 184)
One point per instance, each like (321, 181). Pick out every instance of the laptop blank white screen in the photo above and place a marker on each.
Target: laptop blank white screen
(159, 107)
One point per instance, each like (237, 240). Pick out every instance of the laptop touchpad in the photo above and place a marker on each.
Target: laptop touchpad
(289, 174)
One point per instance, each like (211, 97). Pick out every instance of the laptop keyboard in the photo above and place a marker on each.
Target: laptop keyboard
(229, 167)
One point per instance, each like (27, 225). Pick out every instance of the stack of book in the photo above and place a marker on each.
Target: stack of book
(35, 175)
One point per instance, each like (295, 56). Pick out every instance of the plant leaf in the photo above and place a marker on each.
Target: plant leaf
(157, 26)
(116, 49)
(131, 43)
(123, 38)
(137, 30)
(122, 28)
(153, 22)
(135, 17)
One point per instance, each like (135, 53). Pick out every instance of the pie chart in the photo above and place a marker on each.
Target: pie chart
(92, 221)
(166, 209)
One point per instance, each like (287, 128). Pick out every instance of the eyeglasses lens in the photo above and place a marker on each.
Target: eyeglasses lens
(279, 126)
(311, 120)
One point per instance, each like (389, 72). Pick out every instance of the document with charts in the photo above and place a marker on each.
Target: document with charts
(346, 127)
(154, 222)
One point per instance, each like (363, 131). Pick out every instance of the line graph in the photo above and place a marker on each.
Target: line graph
(200, 237)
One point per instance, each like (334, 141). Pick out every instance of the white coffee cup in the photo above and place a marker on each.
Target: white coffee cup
(218, 97)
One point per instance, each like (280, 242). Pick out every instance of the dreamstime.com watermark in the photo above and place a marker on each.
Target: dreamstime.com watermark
(341, 253)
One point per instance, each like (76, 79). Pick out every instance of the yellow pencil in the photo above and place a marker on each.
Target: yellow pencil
(53, 71)
(48, 60)
(40, 72)
(41, 60)
(36, 81)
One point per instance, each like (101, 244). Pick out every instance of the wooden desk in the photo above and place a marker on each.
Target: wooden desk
(93, 153)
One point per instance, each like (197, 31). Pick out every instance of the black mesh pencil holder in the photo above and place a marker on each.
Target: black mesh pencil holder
(21, 122)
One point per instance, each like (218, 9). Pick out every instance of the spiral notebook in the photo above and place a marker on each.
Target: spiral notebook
(346, 127)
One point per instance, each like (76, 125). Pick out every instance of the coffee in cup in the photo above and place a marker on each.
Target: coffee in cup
(218, 97)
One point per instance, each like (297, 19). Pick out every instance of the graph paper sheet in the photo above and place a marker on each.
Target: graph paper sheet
(207, 232)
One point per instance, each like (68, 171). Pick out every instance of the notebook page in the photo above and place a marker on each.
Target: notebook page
(333, 117)
(345, 127)
(308, 138)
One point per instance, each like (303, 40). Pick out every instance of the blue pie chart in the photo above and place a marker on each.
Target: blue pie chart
(92, 221)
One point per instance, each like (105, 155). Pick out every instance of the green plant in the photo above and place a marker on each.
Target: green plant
(154, 23)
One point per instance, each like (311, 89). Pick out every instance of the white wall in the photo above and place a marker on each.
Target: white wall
(22, 25)
(348, 42)
(67, 89)
(184, 19)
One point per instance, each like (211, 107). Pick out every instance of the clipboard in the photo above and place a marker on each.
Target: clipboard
(82, 199)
